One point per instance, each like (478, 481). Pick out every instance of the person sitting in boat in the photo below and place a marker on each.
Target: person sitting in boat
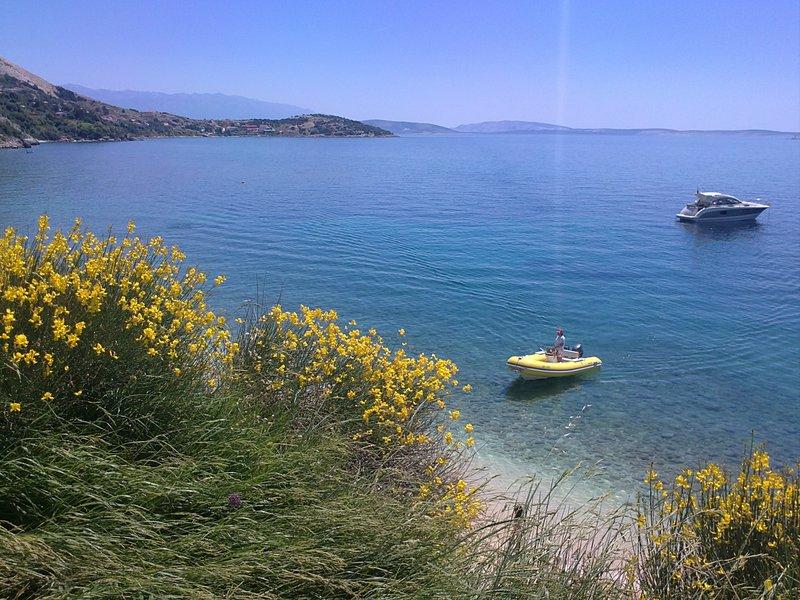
(559, 344)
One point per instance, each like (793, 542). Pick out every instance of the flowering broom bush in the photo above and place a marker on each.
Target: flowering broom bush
(88, 323)
(391, 403)
(710, 535)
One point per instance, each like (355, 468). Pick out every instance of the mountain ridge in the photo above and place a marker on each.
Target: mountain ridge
(192, 105)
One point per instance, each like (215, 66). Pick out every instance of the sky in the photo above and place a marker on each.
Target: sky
(681, 64)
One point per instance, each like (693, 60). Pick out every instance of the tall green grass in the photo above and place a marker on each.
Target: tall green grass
(218, 507)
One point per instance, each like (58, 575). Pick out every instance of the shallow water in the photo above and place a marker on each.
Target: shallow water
(479, 246)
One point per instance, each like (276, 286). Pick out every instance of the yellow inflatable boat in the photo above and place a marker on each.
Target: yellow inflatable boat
(543, 365)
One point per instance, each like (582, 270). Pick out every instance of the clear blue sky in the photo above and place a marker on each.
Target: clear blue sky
(685, 64)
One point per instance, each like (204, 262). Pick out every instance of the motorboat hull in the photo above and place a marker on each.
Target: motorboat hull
(722, 216)
(539, 366)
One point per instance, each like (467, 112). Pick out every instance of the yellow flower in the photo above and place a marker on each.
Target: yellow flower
(448, 438)
(219, 280)
(401, 332)
(78, 393)
(98, 348)
(131, 227)
(455, 415)
(47, 396)
(703, 585)
(14, 406)
(760, 461)
(20, 340)
(467, 388)
(470, 441)
(469, 428)
(44, 223)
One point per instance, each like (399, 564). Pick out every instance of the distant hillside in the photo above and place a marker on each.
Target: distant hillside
(409, 127)
(534, 127)
(661, 131)
(33, 110)
(508, 127)
(195, 106)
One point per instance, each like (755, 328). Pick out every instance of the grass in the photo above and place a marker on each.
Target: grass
(221, 507)
(97, 519)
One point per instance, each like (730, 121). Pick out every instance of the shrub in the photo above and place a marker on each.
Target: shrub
(708, 534)
(95, 329)
(389, 403)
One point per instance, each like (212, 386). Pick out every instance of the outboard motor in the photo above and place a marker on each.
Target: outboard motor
(579, 349)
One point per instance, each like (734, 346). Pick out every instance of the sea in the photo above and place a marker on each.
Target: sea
(479, 246)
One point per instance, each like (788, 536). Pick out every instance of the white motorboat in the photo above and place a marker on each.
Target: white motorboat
(713, 207)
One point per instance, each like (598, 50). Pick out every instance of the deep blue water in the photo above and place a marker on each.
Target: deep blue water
(479, 246)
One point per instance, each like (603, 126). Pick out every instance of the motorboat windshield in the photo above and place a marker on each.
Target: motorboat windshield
(715, 199)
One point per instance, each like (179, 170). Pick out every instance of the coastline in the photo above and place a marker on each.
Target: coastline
(18, 143)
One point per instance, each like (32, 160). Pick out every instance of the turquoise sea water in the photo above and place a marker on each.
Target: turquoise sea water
(479, 246)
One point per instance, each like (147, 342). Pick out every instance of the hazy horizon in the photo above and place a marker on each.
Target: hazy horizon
(719, 65)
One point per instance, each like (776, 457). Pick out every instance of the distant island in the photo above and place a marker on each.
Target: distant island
(409, 127)
(33, 110)
(535, 127)
(509, 127)
(194, 106)
(512, 127)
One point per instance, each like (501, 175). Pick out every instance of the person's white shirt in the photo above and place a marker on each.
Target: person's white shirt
(560, 343)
